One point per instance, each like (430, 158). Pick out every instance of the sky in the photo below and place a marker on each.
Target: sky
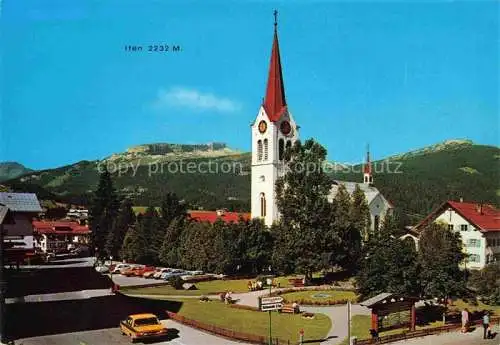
(397, 75)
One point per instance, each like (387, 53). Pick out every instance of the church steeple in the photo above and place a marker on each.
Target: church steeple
(367, 168)
(274, 101)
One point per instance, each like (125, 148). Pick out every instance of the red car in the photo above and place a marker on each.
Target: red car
(142, 270)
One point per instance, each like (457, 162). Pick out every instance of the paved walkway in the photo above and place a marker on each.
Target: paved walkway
(453, 338)
(60, 296)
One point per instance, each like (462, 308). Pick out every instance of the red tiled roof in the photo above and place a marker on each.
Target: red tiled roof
(485, 217)
(211, 216)
(59, 227)
(274, 102)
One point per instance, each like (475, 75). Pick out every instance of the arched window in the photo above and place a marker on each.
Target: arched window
(262, 205)
(266, 149)
(281, 149)
(259, 150)
(288, 147)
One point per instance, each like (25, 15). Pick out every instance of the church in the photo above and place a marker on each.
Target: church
(273, 131)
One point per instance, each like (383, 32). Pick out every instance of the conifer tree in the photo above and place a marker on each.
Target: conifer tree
(125, 219)
(360, 212)
(103, 211)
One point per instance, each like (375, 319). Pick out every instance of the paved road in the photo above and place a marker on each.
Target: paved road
(181, 335)
(453, 338)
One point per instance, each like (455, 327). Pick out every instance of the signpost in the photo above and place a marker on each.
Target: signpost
(271, 303)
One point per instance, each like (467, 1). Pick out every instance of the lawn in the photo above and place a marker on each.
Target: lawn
(204, 288)
(284, 326)
(459, 305)
(320, 296)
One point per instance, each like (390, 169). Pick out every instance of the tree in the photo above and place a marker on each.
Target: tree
(388, 264)
(359, 213)
(347, 227)
(440, 254)
(253, 246)
(154, 231)
(301, 196)
(125, 219)
(135, 245)
(486, 283)
(172, 208)
(169, 252)
(103, 211)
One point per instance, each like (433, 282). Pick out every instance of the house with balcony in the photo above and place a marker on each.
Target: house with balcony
(60, 236)
(478, 225)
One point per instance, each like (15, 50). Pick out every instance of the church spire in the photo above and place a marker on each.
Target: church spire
(367, 168)
(274, 101)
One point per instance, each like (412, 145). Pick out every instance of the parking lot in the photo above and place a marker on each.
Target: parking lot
(178, 335)
(134, 281)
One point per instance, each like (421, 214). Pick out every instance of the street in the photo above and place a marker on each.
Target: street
(179, 335)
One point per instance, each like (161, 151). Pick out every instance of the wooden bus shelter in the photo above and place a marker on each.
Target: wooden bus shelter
(390, 310)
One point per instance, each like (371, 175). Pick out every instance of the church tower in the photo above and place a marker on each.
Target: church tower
(367, 169)
(272, 132)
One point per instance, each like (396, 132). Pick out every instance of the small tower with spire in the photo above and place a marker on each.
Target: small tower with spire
(367, 169)
(272, 132)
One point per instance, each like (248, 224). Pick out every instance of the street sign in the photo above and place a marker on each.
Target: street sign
(271, 300)
(271, 303)
(271, 307)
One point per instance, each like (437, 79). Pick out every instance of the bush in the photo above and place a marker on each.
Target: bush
(176, 282)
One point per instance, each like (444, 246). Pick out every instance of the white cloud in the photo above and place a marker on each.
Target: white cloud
(194, 99)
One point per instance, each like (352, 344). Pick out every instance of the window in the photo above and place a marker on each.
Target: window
(281, 149)
(262, 178)
(474, 243)
(463, 227)
(262, 205)
(450, 227)
(474, 258)
(266, 149)
(259, 150)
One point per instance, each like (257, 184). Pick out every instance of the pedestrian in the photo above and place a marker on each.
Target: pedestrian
(486, 326)
(465, 320)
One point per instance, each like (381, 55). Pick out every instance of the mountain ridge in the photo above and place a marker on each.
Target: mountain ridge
(448, 170)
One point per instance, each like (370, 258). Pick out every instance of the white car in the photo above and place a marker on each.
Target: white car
(102, 269)
(120, 267)
(158, 273)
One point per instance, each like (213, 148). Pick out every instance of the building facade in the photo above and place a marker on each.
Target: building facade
(479, 228)
(18, 236)
(59, 237)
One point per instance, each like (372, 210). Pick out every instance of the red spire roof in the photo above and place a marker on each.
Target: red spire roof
(367, 169)
(274, 102)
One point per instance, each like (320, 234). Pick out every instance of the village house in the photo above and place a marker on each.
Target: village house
(60, 236)
(478, 225)
(18, 233)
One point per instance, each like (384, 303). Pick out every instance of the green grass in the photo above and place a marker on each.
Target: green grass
(204, 288)
(333, 296)
(459, 305)
(284, 326)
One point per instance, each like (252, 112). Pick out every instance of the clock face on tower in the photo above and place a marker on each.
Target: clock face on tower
(262, 126)
(285, 128)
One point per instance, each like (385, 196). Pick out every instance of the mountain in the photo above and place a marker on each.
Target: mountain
(214, 176)
(10, 170)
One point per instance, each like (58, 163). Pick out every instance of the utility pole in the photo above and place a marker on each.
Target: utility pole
(349, 322)
(270, 332)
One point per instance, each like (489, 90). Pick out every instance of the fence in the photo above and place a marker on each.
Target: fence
(226, 333)
(419, 333)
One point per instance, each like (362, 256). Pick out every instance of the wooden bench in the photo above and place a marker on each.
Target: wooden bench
(288, 308)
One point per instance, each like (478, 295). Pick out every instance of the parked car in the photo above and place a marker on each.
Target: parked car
(150, 274)
(131, 271)
(102, 269)
(176, 273)
(142, 326)
(119, 267)
(158, 274)
(144, 269)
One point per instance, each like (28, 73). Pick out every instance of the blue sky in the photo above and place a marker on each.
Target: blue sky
(397, 75)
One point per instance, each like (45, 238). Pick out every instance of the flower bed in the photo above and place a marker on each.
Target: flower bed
(312, 301)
